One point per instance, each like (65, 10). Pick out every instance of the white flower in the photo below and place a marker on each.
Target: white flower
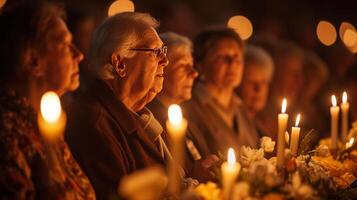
(267, 144)
(240, 190)
(248, 155)
(322, 151)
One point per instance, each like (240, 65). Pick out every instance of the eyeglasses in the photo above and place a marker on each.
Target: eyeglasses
(157, 51)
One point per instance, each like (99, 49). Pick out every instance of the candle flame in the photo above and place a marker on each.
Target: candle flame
(350, 143)
(333, 100)
(297, 120)
(283, 106)
(175, 114)
(231, 156)
(344, 97)
(50, 107)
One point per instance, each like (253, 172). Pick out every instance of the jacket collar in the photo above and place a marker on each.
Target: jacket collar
(115, 107)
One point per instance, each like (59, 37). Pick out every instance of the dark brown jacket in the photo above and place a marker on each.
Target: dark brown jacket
(107, 140)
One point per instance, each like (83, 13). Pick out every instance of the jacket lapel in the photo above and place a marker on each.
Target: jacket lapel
(123, 116)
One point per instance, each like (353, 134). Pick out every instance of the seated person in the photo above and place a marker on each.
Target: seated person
(178, 81)
(254, 90)
(216, 111)
(36, 55)
(105, 130)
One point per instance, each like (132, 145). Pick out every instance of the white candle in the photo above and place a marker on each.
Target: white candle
(334, 111)
(295, 135)
(176, 127)
(350, 143)
(282, 123)
(51, 120)
(230, 171)
(344, 110)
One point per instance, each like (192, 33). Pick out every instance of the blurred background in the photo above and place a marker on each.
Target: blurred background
(323, 30)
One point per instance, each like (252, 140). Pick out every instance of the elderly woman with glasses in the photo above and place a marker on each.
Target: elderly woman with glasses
(108, 124)
(215, 110)
(178, 81)
(36, 55)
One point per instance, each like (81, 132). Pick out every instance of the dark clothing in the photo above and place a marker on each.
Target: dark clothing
(195, 147)
(220, 127)
(26, 170)
(107, 140)
(161, 114)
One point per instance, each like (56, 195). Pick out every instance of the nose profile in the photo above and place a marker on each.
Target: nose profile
(164, 61)
(77, 54)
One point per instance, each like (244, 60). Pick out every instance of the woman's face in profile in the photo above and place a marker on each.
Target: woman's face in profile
(60, 59)
(179, 76)
(223, 64)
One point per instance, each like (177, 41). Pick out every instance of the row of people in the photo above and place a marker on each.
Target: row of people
(117, 125)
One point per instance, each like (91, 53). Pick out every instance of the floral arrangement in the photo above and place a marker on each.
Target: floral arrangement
(316, 173)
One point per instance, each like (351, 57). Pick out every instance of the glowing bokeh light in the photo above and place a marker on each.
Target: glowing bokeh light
(344, 27)
(120, 6)
(2, 3)
(349, 38)
(241, 25)
(326, 33)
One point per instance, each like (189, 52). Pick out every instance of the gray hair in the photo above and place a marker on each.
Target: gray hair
(117, 34)
(176, 43)
(255, 56)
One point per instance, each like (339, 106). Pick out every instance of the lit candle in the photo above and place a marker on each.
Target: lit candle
(334, 111)
(350, 143)
(344, 110)
(51, 120)
(282, 123)
(176, 127)
(230, 171)
(295, 134)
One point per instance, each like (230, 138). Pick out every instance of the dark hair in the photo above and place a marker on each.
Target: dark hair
(24, 27)
(208, 38)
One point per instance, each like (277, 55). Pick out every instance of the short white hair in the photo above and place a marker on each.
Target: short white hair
(176, 44)
(117, 34)
(255, 56)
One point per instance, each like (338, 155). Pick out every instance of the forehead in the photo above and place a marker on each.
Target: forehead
(226, 43)
(58, 30)
(151, 38)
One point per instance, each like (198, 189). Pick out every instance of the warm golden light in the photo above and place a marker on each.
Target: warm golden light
(344, 27)
(349, 38)
(333, 100)
(50, 107)
(241, 25)
(344, 97)
(175, 114)
(2, 3)
(231, 157)
(120, 6)
(326, 33)
(283, 106)
(350, 143)
(297, 120)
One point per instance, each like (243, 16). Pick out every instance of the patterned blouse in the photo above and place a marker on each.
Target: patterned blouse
(30, 169)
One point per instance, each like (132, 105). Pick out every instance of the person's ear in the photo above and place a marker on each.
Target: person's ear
(118, 64)
(34, 65)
